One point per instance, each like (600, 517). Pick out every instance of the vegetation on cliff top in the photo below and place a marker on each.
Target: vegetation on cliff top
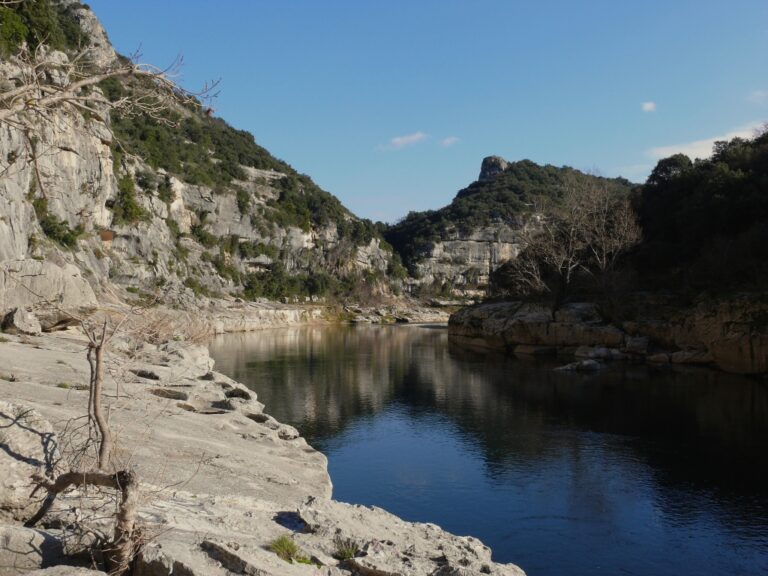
(705, 223)
(203, 150)
(503, 199)
(38, 21)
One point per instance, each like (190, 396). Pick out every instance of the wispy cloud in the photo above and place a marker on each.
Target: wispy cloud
(702, 148)
(648, 106)
(758, 97)
(400, 142)
(449, 141)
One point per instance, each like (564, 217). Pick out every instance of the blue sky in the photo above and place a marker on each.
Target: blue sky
(391, 105)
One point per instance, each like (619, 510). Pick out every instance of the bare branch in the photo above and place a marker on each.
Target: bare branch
(47, 81)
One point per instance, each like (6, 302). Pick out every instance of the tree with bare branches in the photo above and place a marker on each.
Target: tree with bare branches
(46, 82)
(585, 232)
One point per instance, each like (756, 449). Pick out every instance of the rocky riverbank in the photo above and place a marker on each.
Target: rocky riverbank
(731, 335)
(221, 479)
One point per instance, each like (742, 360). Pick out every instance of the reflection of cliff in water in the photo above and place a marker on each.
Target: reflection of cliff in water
(700, 428)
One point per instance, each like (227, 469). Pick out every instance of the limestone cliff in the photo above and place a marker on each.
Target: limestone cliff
(190, 210)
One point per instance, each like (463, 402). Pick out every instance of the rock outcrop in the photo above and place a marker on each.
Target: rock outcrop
(223, 478)
(23, 550)
(55, 292)
(491, 167)
(465, 260)
(28, 445)
(731, 335)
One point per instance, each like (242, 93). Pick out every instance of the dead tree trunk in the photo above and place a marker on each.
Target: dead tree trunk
(95, 408)
(120, 551)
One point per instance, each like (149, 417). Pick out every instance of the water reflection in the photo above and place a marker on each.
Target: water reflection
(632, 470)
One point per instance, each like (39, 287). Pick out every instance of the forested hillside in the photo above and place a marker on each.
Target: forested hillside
(484, 225)
(705, 223)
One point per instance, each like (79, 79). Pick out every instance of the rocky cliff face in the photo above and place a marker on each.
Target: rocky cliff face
(464, 261)
(72, 194)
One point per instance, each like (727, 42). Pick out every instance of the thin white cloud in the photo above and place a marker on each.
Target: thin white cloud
(449, 141)
(648, 106)
(702, 148)
(758, 97)
(400, 142)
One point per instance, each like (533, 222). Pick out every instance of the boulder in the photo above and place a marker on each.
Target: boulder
(54, 293)
(24, 549)
(578, 312)
(28, 445)
(20, 321)
(196, 361)
(636, 345)
(691, 357)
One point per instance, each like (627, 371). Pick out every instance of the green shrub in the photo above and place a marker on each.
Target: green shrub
(197, 288)
(43, 21)
(243, 201)
(146, 180)
(125, 208)
(112, 89)
(223, 268)
(173, 226)
(284, 547)
(181, 252)
(55, 229)
(253, 249)
(345, 548)
(13, 31)
(288, 550)
(204, 237)
(165, 190)
(230, 244)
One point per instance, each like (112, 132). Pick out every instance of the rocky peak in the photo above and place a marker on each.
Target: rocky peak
(492, 166)
(99, 47)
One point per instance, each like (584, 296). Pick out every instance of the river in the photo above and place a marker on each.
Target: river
(633, 470)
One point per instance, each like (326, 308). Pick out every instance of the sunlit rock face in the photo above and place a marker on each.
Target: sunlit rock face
(69, 173)
(466, 260)
(491, 167)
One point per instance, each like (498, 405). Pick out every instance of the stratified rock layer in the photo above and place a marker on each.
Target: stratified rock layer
(731, 335)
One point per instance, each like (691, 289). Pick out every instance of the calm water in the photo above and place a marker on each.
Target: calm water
(631, 471)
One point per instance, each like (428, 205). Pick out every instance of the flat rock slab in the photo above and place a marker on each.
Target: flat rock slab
(27, 445)
(23, 550)
(66, 571)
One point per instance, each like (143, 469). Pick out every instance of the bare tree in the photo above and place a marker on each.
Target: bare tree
(47, 82)
(610, 226)
(585, 232)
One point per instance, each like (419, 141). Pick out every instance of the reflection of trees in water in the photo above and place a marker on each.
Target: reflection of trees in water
(317, 378)
(697, 429)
